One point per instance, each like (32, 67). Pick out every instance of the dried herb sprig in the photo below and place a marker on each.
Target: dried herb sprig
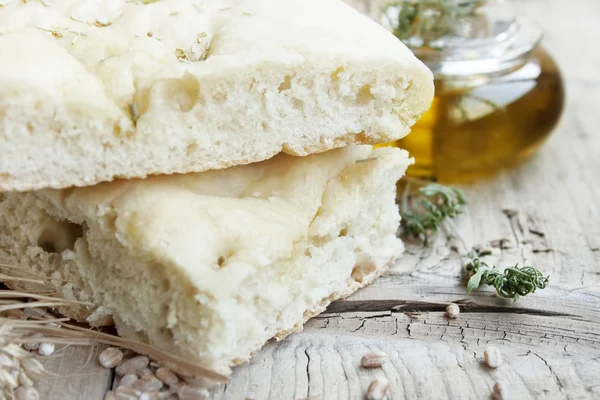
(439, 202)
(428, 20)
(511, 284)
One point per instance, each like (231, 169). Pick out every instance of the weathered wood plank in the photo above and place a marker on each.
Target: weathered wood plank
(430, 357)
(76, 374)
(550, 341)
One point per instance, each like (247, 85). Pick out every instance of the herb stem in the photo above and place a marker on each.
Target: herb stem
(511, 284)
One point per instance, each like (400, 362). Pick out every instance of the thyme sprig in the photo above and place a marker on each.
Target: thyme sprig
(511, 284)
(438, 205)
(439, 202)
(428, 20)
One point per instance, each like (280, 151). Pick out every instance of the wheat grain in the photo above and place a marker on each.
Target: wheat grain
(374, 359)
(149, 383)
(377, 389)
(492, 356)
(166, 376)
(128, 380)
(133, 365)
(110, 357)
(452, 310)
(24, 319)
(187, 392)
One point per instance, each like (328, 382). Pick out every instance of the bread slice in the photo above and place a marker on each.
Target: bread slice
(211, 265)
(95, 90)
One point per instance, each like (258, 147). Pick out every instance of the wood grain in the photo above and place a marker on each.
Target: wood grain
(75, 374)
(430, 357)
(550, 341)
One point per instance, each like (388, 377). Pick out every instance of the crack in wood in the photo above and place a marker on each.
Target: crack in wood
(307, 373)
(554, 375)
(351, 306)
(362, 324)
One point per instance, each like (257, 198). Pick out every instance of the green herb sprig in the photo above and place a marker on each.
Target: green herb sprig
(511, 284)
(439, 203)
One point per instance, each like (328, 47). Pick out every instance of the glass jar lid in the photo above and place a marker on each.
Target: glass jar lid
(460, 39)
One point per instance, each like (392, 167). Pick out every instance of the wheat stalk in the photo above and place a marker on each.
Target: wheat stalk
(18, 367)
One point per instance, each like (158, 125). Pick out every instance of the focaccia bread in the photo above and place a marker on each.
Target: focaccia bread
(211, 265)
(92, 90)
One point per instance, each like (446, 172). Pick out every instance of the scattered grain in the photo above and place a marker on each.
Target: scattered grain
(126, 393)
(148, 383)
(133, 365)
(174, 387)
(499, 392)
(492, 356)
(46, 349)
(166, 376)
(110, 395)
(149, 396)
(452, 310)
(111, 357)
(187, 392)
(377, 389)
(128, 380)
(374, 359)
(145, 372)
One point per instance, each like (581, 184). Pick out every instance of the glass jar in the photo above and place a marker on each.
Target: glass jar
(498, 94)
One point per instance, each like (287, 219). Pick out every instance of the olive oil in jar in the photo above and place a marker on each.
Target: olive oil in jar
(498, 93)
(474, 131)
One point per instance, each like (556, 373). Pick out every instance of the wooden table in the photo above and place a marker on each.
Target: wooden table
(550, 341)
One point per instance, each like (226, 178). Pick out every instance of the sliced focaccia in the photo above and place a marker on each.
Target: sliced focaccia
(211, 265)
(93, 90)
